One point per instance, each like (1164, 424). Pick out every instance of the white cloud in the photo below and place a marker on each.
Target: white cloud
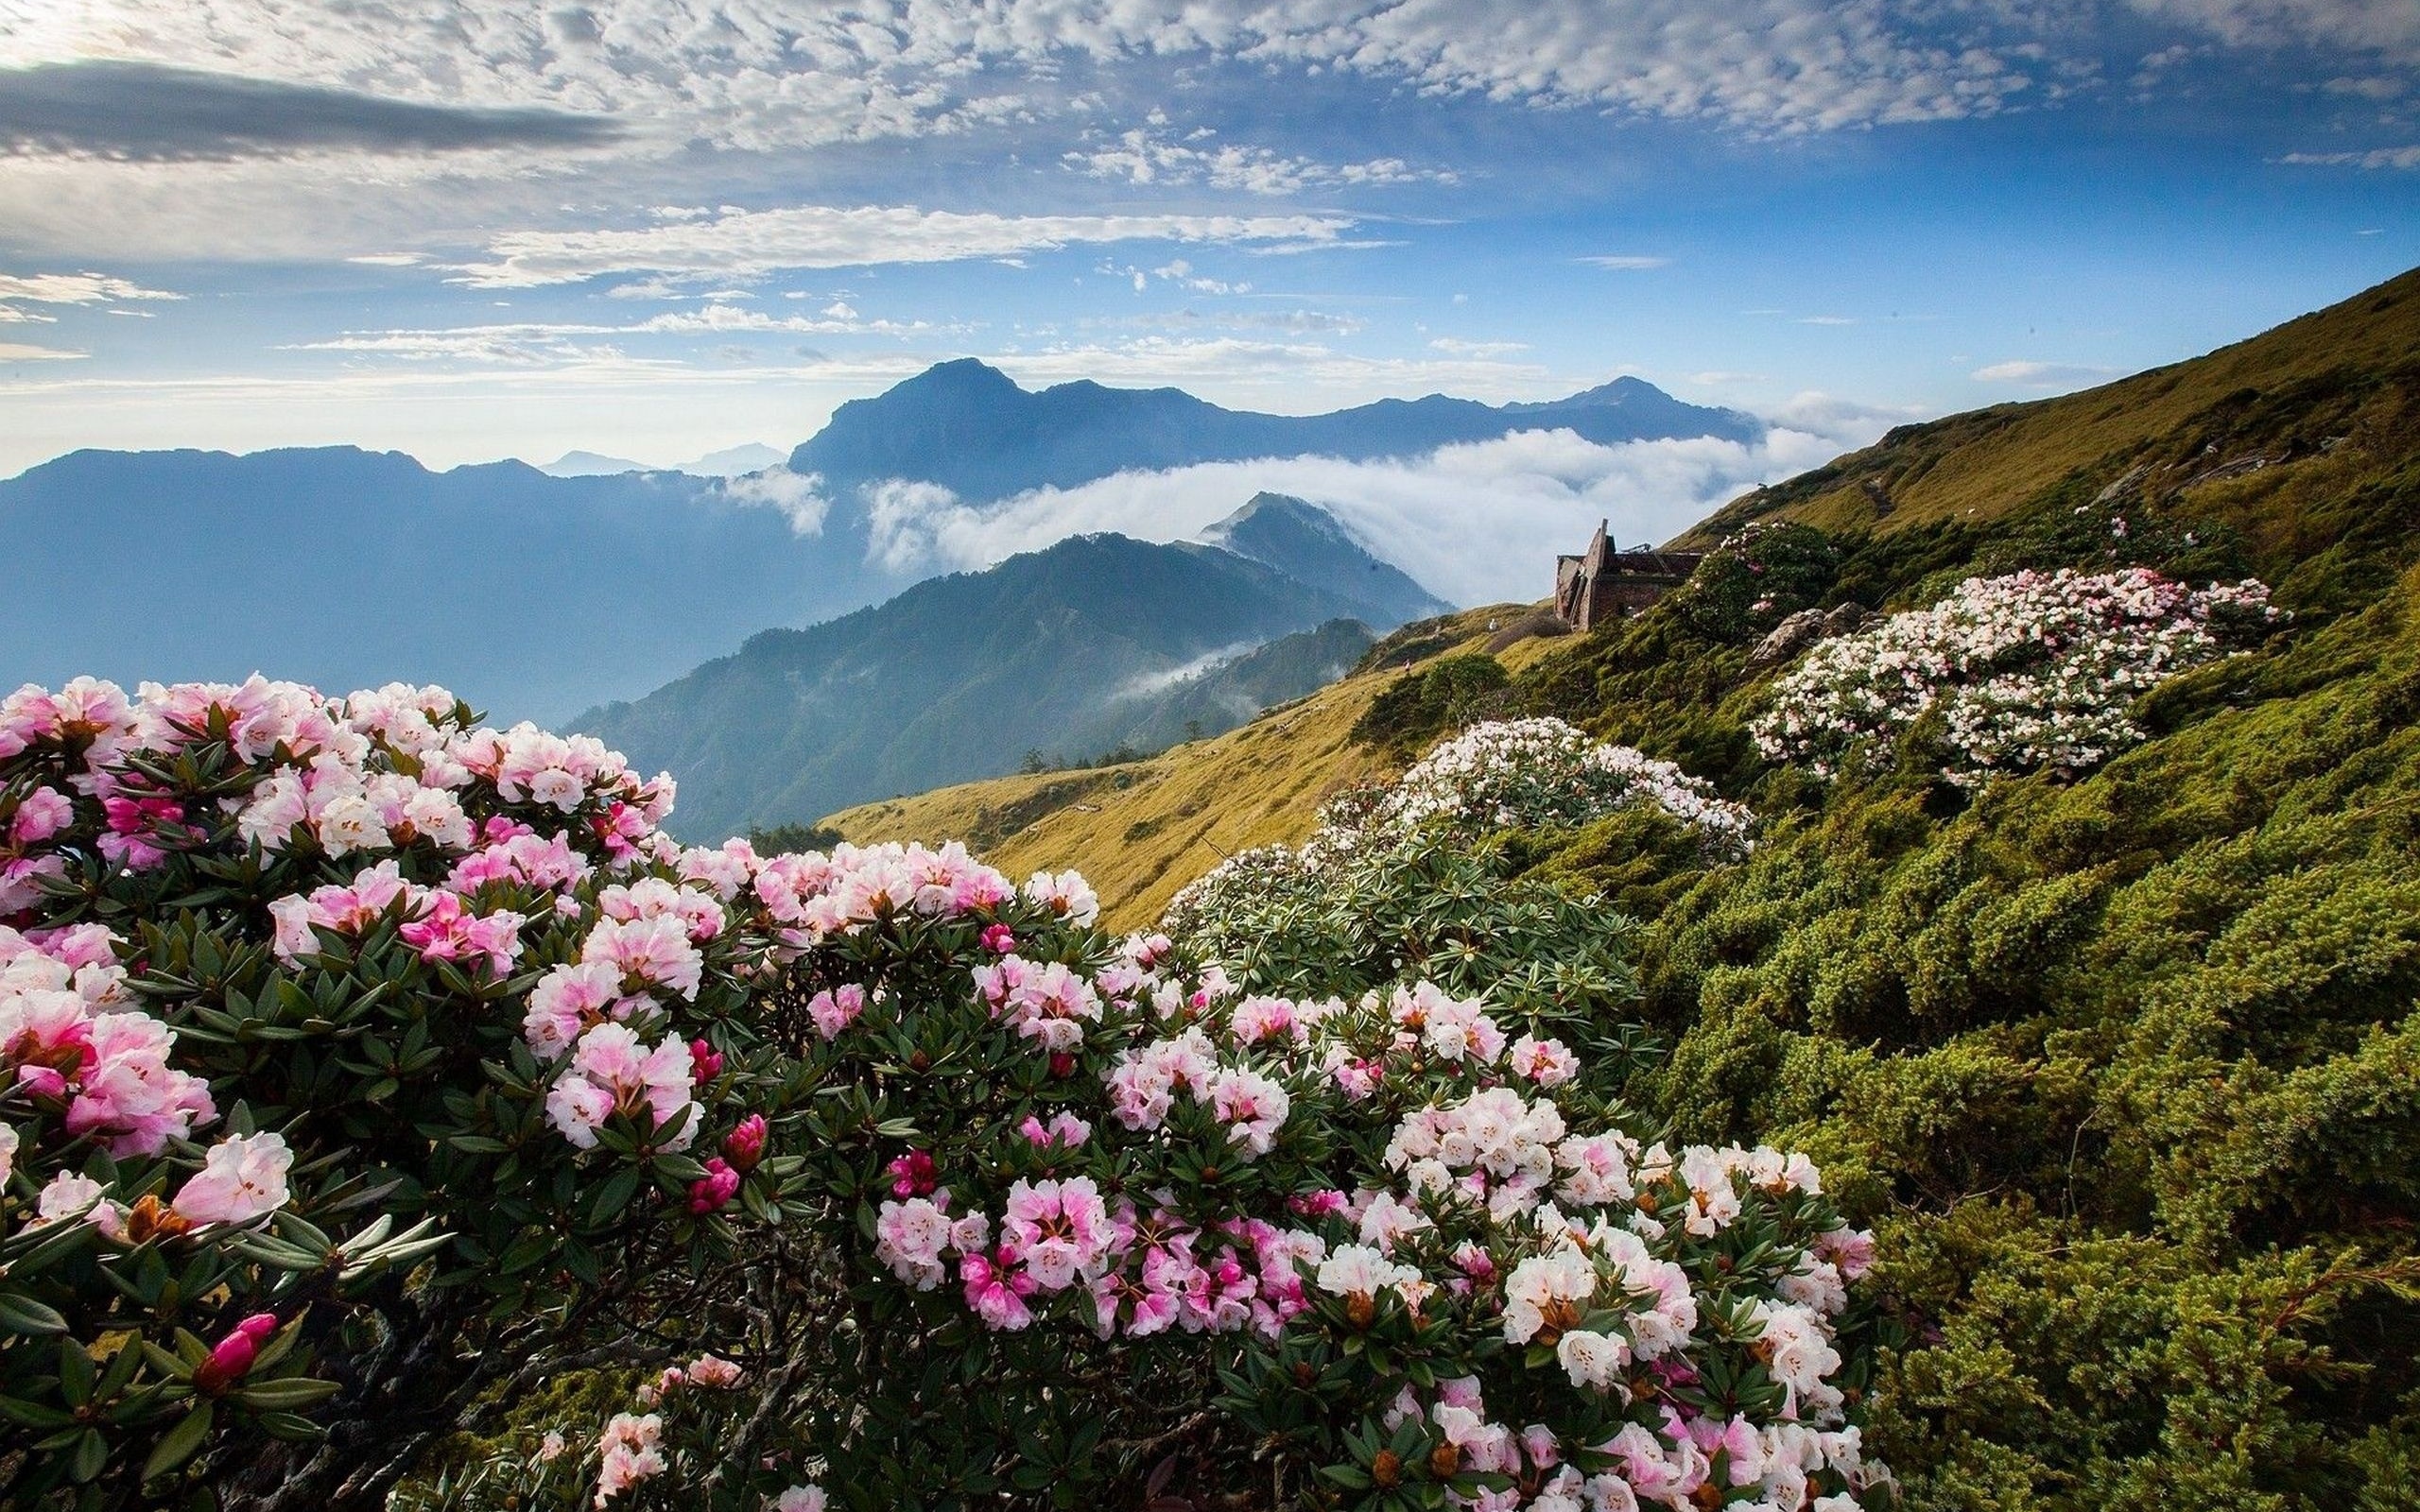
(2389, 29)
(64, 288)
(1626, 264)
(75, 288)
(799, 497)
(758, 74)
(1477, 349)
(1153, 155)
(1475, 523)
(19, 351)
(1827, 319)
(539, 343)
(2376, 158)
(753, 243)
(2042, 375)
(386, 259)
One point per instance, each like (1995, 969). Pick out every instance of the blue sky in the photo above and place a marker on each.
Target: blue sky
(656, 227)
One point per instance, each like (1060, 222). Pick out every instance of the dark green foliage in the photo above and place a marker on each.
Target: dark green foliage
(793, 839)
(1756, 578)
(2126, 1069)
(1443, 698)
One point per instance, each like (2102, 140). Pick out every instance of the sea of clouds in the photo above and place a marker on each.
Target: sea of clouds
(1475, 523)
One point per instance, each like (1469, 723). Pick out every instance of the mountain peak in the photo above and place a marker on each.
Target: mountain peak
(962, 375)
(1310, 545)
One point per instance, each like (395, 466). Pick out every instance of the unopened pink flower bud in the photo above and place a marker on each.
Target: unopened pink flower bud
(745, 1144)
(705, 1060)
(713, 1191)
(999, 939)
(234, 1355)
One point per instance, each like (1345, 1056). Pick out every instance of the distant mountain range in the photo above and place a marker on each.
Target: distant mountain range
(530, 595)
(536, 596)
(1097, 641)
(730, 462)
(969, 427)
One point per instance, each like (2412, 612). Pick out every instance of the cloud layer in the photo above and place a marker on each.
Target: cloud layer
(1475, 523)
(750, 244)
(147, 113)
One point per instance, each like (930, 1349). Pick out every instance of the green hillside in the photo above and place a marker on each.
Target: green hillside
(2125, 1066)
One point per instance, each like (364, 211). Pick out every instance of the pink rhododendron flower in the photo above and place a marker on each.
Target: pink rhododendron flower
(835, 1009)
(745, 1144)
(612, 1072)
(912, 1175)
(569, 1000)
(242, 1179)
(628, 1451)
(450, 931)
(70, 1193)
(997, 1287)
(651, 954)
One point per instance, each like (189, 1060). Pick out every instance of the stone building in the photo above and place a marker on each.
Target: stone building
(1603, 584)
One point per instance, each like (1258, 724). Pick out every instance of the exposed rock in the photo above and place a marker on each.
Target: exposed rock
(1842, 620)
(1789, 638)
(2124, 485)
(1879, 494)
(2238, 468)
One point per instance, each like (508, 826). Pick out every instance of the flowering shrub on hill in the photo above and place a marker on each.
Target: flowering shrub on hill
(2028, 671)
(338, 1039)
(1360, 897)
(1402, 1241)
(1524, 773)
(368, 1071)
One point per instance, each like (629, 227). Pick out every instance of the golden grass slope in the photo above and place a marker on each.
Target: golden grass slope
(1987, 460)
(1140, 832)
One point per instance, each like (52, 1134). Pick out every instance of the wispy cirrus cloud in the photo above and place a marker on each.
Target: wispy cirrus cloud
(2405, 157)
(754, 243)
(1623, 263)
(547, 342)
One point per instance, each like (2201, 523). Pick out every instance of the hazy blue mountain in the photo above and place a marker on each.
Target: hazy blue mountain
(589, 465)
(1307, 544)
(730, 462)
(735, 461)
(1228, 693)
(969, 427)
(1066, 650)
(533, 597)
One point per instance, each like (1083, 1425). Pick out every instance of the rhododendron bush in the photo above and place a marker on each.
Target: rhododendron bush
(378, 1084)
(349, 1053)
(2027, 671)
(1399, 875)
(1094, 1204)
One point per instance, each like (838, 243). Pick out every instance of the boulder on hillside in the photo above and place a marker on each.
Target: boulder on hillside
(1789, 638)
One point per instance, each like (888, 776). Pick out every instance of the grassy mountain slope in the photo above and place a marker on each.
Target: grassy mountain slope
(2126, 1068)
(1144, 828)
(1984, 462)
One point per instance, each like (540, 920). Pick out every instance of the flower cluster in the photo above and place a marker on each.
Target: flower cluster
(331, 919)
(2028, 671)
(1499, 775)
(1201, 1183)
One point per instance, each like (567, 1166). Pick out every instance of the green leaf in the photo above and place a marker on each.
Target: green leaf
(23, 1315)
(287, 1394)
(181, 1442)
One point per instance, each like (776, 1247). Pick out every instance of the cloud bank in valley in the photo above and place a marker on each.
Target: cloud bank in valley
(1473, 523)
